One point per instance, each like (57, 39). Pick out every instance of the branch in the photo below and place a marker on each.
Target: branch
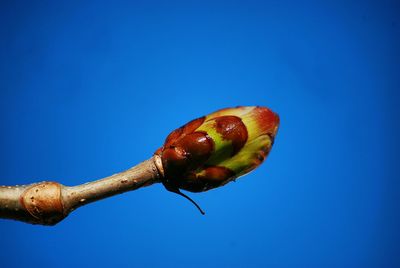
(48, 203)
(204, 154)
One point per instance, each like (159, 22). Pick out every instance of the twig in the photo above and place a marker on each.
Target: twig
(48, 203)
(204, 154)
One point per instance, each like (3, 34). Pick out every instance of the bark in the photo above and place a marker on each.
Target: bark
(48, 203)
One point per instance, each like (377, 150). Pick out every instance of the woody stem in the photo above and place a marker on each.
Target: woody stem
(48, 203)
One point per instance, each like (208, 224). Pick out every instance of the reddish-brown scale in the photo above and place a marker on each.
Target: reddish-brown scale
(197, 145)
(158, 151)
(184, 149)
(232, 128)
(267, 120)
(173, 136)
(174, 160)
(214, 177)
(175, 154)
(217, 175)
(182, 131)
(190, 182)
(193, 125)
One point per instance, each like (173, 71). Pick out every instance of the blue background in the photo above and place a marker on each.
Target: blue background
(88, 89)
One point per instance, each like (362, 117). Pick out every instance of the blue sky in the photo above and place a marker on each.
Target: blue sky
(88, 89)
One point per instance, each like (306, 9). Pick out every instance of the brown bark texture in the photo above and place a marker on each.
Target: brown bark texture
(48, 202)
